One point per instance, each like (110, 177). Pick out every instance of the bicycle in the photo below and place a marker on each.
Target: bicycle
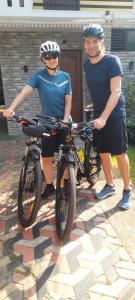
(31, 178)
(30, 183)
(88, 166)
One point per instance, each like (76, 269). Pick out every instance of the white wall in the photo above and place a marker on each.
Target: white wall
(16, 10)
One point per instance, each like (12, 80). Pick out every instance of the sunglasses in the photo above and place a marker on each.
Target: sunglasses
(52, 56)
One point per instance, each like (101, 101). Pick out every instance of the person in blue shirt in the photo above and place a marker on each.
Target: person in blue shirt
(103, 76)
(55, 93)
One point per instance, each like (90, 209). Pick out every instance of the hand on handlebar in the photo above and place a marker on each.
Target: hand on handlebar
(8, 113)
(99, 123)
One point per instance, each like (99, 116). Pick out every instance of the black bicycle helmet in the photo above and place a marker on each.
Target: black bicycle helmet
(93, 30)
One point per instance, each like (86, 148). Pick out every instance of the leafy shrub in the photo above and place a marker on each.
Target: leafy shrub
(130, 103)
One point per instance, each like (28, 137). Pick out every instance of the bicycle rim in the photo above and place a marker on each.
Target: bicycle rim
(29, 191)
(65, 199)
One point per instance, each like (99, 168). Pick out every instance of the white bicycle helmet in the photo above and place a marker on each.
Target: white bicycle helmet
(49, 48)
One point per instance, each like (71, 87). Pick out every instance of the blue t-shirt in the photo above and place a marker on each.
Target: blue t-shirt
(52, 90)
(98, 80)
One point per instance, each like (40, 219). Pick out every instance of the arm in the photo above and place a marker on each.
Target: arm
(68, 105)
(9, 112)
(115, 87)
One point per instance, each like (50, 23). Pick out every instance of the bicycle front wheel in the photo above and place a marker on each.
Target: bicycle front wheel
(29, 190)
(65, 198)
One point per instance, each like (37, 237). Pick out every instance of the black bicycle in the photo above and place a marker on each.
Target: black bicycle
(30, 183)
(31, 178)
(88, 166)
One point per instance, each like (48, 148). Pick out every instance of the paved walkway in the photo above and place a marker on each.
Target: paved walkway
(97, 263)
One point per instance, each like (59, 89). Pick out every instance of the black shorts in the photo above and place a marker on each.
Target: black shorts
(51, 144)
(112, 138)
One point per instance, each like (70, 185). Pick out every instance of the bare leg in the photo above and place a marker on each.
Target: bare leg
(47, 163)
(107, 167)
(123, 165)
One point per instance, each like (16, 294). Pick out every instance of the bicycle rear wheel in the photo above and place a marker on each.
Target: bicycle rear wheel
(29, 191)
(92, 164)
(65, 198)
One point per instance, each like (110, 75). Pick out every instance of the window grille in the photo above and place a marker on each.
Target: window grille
(123, 39)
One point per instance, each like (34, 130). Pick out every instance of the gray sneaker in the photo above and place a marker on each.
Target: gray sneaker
(106, 191)
(125, 202)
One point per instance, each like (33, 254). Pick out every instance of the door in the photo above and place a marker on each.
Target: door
(71, 62)
(3, 121)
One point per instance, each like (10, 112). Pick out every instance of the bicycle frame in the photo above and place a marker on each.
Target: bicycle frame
(34, 146)
(70, 152)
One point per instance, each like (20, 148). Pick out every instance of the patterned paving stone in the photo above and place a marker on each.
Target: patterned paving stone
(93, 265)
(7, 241)
(32, 249)
(72, 285)
(7, 222)
(12, 291)
(7, 265)
(66, 256)
(23, 277)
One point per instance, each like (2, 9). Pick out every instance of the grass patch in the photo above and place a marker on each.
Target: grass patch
(131, 155)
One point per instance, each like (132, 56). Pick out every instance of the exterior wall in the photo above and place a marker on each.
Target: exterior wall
(22, 48)
(19, 49)
(15, 10)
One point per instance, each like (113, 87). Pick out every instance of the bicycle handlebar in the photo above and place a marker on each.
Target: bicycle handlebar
(52, 124)
(71, 125)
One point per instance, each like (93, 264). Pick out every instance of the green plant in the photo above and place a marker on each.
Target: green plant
(131, 154)
(130, 101)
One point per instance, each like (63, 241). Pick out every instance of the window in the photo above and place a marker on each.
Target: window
(21, 3)
(123, 39)
(9, 3)
(57, 4)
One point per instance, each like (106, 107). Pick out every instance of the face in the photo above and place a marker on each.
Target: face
(92, 46)
(51, 62)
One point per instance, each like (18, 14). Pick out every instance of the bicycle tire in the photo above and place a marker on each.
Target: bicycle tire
(65, 199)
(29, 190)
(92, 164)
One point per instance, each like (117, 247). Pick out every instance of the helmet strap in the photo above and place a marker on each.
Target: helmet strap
(52, 68)
(95, 55)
